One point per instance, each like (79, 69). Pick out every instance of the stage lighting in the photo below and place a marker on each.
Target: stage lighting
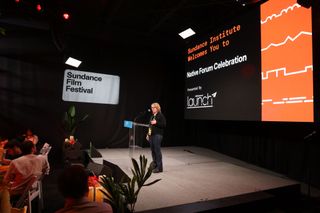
(73, 62)
(187, 33)
(66, 16)
(39, 8)
(17, 1)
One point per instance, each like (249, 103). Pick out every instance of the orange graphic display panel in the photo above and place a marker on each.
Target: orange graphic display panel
(286, 60)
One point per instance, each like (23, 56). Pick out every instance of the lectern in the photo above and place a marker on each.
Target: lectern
(136, 138)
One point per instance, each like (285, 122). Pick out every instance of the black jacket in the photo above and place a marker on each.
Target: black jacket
(158, 128)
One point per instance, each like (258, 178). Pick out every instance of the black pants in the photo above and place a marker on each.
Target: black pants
(155, 144)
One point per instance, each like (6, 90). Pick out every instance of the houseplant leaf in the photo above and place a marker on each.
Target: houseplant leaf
(123, 196)
(72, 111)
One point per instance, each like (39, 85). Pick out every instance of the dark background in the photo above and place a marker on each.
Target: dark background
(139, 43)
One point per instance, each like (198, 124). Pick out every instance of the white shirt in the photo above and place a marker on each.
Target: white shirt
(22, 169)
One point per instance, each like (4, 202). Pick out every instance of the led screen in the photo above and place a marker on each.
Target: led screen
(256, 68)
(286, 59)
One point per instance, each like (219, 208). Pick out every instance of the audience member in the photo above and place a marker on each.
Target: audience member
(30, 136)
(22, 169)
(3, 141)
(73, 184)
(12, 150)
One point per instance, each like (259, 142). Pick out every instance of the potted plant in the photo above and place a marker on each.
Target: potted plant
(71, 147)
(123, 196)
(2, 31)
(71, 122)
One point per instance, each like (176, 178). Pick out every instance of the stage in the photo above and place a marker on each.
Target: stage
(198, 179)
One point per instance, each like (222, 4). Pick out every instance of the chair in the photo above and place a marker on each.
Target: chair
(33, 190)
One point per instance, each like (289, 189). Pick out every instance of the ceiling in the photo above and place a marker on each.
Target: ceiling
(126, 21)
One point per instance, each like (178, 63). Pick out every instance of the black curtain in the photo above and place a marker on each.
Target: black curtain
(32, 71)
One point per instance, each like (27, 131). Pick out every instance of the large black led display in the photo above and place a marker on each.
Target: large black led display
(223, 73)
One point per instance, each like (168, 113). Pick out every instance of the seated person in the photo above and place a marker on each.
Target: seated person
(29, 136)
(22, 169)
(13, 151)
(73, 184)
(3, 142)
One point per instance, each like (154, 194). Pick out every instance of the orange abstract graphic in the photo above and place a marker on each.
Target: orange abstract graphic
(286, 60)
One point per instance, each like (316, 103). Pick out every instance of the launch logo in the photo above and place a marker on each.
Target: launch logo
(201, 101)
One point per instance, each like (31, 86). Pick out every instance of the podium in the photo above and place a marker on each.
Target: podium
(137, 135)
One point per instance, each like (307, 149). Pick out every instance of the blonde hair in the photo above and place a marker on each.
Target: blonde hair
(157, 106)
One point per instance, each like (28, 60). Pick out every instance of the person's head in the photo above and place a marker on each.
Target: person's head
(73, 182)
(13, 147)
(155, 107)
(29, 132)
(3, 140)
(28, 147)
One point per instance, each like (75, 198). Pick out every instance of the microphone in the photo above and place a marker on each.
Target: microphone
(310, 135)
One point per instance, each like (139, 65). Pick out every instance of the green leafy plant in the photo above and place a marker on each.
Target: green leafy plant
(2, 31)
(71, 122)
(123, 196)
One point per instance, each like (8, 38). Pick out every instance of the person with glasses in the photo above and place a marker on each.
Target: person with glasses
(156, 128)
